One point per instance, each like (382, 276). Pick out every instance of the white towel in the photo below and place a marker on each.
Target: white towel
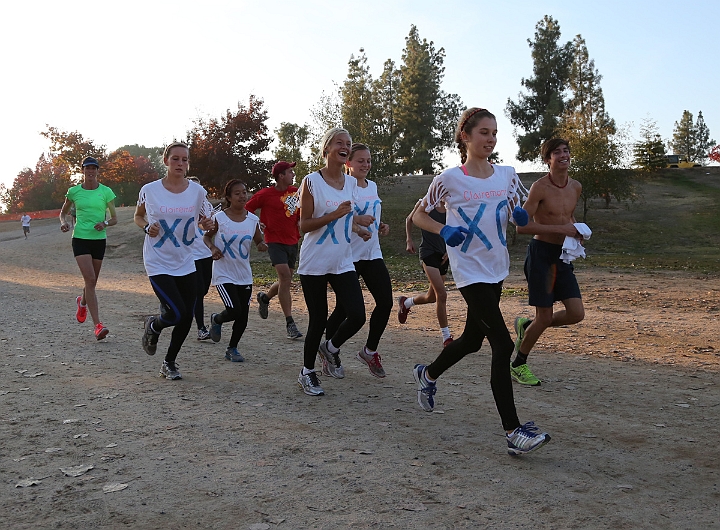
(572, 248)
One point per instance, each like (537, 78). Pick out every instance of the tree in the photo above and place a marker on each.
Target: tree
(691, 140)
(229, 147)
(425, 115)
(649, 152)
(294, 146)
(715, 154)
(41, 189)
(126, 174)
(153, 154)
(358, 111)
(326, 114)
(598, 151)
(537, 113)
(385, 146)
(70, 148)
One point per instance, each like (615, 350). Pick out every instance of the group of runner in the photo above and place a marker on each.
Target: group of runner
(189, 245)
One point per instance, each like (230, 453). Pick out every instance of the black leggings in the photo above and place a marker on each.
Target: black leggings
(237, 306)
(348, 293)
(377, 279)
(203, 268)
(177, 303)
(484, 319)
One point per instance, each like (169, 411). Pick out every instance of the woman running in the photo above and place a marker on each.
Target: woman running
(434, 258)
(479, 198)
(231, 274)
(368, 260)
(203, 268)
(91, 201)
(326, 217)
(168, 211)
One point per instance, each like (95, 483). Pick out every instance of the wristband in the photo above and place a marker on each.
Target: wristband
(145, 229)
(106, 223)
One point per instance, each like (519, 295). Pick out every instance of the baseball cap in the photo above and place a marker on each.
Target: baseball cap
(281, 167)
(90, 161)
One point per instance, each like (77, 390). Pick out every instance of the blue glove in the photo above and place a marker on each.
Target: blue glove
(521, 216)
(453, 235)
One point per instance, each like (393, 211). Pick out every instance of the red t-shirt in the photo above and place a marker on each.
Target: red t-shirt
(279, 212)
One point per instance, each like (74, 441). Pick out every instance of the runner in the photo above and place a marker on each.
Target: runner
(479, 198)
(279, 215)
(326, 217)
(435, 263)
(231, 273)
(91, 200)
(25, 222)
(368, 260)
(168, 210)
(203, 268)
(551, 206)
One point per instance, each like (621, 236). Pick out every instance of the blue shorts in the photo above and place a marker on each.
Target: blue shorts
(549, 278)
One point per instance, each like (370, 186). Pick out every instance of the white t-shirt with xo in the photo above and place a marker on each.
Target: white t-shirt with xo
(170, 252)
(234, 240)
(482, 206)
(367, 203)
(328, 250)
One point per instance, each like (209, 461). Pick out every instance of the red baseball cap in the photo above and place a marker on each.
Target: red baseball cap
(281, 166)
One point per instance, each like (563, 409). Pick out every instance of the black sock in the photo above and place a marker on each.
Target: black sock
(265, 298)
(289, 320)
(520, 358)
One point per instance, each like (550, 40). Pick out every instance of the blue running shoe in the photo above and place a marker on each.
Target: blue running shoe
(231, 354)
(425, 390)
(215, 328)
(526, 438)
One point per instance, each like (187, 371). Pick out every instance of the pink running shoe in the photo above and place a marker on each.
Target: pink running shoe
(402, 310)
(101, 331)
(81, 314)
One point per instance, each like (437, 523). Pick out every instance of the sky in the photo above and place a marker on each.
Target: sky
(140, 72)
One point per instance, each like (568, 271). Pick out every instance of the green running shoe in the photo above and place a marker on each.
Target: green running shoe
(520, 324)
(523, 375)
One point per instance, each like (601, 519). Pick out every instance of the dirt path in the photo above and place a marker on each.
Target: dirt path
(629, 396)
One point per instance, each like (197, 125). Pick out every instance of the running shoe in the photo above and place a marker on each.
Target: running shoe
(150, 338)
(331, 362)
(231, 354)
(373, 362)
(81, 313)
(101, 331)
(525, 439)
(263, 305)
(402, 310)
(292, 331)
(310, 384)
(170, 371)
(523, 375)
(215, 329)
(520, 324)
(447, 341)
(203, 333)
(425, 390)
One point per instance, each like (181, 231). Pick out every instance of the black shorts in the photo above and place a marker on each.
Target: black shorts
(435, 261)
(94, 247)
(280, 253)
(549, 278)
(26, 229)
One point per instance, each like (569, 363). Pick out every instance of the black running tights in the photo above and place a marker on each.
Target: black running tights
(177, 303)
(203, 268)
(237, 306)
(484, 319)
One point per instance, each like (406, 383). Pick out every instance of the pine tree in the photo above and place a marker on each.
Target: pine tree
(703, 142)
(425, 115)
(385, 147)
(537, 113)
(649, 151)
(597, 151)
(684, 137)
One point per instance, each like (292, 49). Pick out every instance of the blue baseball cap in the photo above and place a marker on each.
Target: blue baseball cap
(90, 161)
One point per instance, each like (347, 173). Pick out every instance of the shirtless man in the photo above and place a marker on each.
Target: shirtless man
(551, 206)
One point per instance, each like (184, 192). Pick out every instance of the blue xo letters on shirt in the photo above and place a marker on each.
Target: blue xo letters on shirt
(330, 231)
(227, 246)
(376, 223)
(169, 232)
(475, 229)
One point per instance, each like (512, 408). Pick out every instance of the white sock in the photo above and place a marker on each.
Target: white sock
(369, 351)
(409, 302)
(306, 371)
(331, 347)
(445, 333)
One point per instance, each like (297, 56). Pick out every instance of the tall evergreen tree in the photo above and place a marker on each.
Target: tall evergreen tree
(684, 137)
(536, 114)
(703, 142)
(357, 108)
(597, 151)
(385, 90)
(649, 151)
(425, 114)
(293, 146)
